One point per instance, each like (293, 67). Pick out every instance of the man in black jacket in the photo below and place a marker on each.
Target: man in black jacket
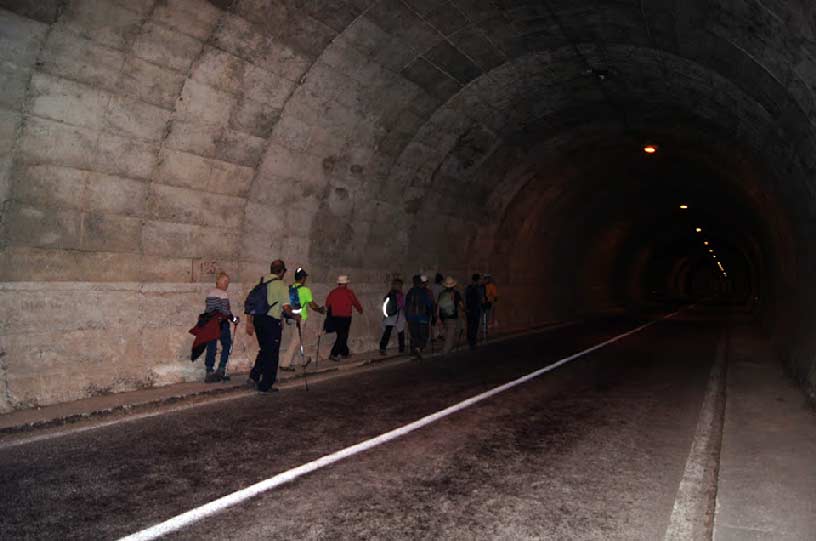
(474, 299)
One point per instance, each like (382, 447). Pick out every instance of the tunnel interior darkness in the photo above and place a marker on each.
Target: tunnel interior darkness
(147, 145)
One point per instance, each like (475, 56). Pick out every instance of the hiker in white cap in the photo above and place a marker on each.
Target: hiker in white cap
(339, 304)
(449, 305)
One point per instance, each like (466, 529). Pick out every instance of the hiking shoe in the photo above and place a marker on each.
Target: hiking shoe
(271, 390)
(251, 383)
(222, 376)
(226, 377)
(418, 354)
(383, 352)
(334, 358)
(289, 368)
(212, 377)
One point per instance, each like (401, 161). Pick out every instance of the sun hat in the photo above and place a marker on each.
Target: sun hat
(343, 279)
(449, 282)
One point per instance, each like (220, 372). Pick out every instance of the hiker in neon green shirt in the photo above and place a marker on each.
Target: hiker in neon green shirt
(306, 303)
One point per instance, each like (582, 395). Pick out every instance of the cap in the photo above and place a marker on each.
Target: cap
(300, 273)
(423, 278)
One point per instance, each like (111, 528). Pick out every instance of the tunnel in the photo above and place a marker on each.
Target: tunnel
(619, 167)
(149, 145)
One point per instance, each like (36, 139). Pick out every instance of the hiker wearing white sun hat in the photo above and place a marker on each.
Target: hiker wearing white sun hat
(339, 303)
(449, 305)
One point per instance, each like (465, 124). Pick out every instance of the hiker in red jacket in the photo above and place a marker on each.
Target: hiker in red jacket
(339, 304)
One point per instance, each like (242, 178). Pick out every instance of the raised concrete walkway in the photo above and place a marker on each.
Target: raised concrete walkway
(767, 475)
(133, 401)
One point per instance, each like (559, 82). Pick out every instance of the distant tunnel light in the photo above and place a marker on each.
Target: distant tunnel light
(650, 149)
(705, 242)
(683, 207)
(699, 229)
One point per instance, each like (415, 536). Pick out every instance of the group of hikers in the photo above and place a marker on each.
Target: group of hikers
(437, 309)
(430, 311)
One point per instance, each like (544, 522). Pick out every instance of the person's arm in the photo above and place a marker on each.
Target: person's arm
(316, 307)
(250, 326)
(356, 303)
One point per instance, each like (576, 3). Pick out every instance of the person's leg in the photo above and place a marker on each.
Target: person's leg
(426, 334)
(226, 344)
(209, 357)
(413, 329)
(288, 358)
(269, 333)
(255, 373)
(401, 341)
(345, 327)
(386, 336)
(472, 328)
(450, 335)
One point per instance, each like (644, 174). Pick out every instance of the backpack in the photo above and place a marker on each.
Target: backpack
(447, 304)
(390, 304)
(473, 298)
(294, 297)
(256, 303)
(414, 306)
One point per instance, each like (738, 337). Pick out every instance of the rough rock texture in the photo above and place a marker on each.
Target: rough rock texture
(145, 145)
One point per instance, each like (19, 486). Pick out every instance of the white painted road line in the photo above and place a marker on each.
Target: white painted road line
(194, 515)
(692, 498)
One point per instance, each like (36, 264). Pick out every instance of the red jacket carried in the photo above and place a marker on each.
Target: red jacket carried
(206, 330)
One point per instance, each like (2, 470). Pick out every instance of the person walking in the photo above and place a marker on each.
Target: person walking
(419, 307)
(491, 298)
(449, 305)
(217, 303)
(268, 327)
(302, 301)
(393, 305)
(339, 304)
(474, 300)
(437, 329)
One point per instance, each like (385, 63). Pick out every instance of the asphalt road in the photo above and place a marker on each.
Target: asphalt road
(593, 450)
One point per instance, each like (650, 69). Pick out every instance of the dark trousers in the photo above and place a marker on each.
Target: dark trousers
(386, 336)
(268, 331)
(419, 334)
(342, 325)
(226, 342)
(473, 321)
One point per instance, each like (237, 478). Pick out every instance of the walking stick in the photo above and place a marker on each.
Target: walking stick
(232, 346)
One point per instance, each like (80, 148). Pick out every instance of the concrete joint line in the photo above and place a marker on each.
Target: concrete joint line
(692, 515)
(216, 506)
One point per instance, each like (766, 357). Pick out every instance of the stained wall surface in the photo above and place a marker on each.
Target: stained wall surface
(147, 144)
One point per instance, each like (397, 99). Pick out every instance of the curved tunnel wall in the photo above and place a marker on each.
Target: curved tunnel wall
(148, 144)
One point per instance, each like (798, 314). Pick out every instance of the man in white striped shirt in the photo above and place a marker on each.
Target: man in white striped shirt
(218, 301)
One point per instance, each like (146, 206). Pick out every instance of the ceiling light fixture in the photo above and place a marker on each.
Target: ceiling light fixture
(650, 149)
(699, 229)
(683, 207)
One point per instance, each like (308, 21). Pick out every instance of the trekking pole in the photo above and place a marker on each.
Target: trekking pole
(302, 356)
(232, 346)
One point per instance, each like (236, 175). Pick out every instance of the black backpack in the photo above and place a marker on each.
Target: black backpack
(473, 298)
(256, 303)
(415, 303)
(390, 305)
